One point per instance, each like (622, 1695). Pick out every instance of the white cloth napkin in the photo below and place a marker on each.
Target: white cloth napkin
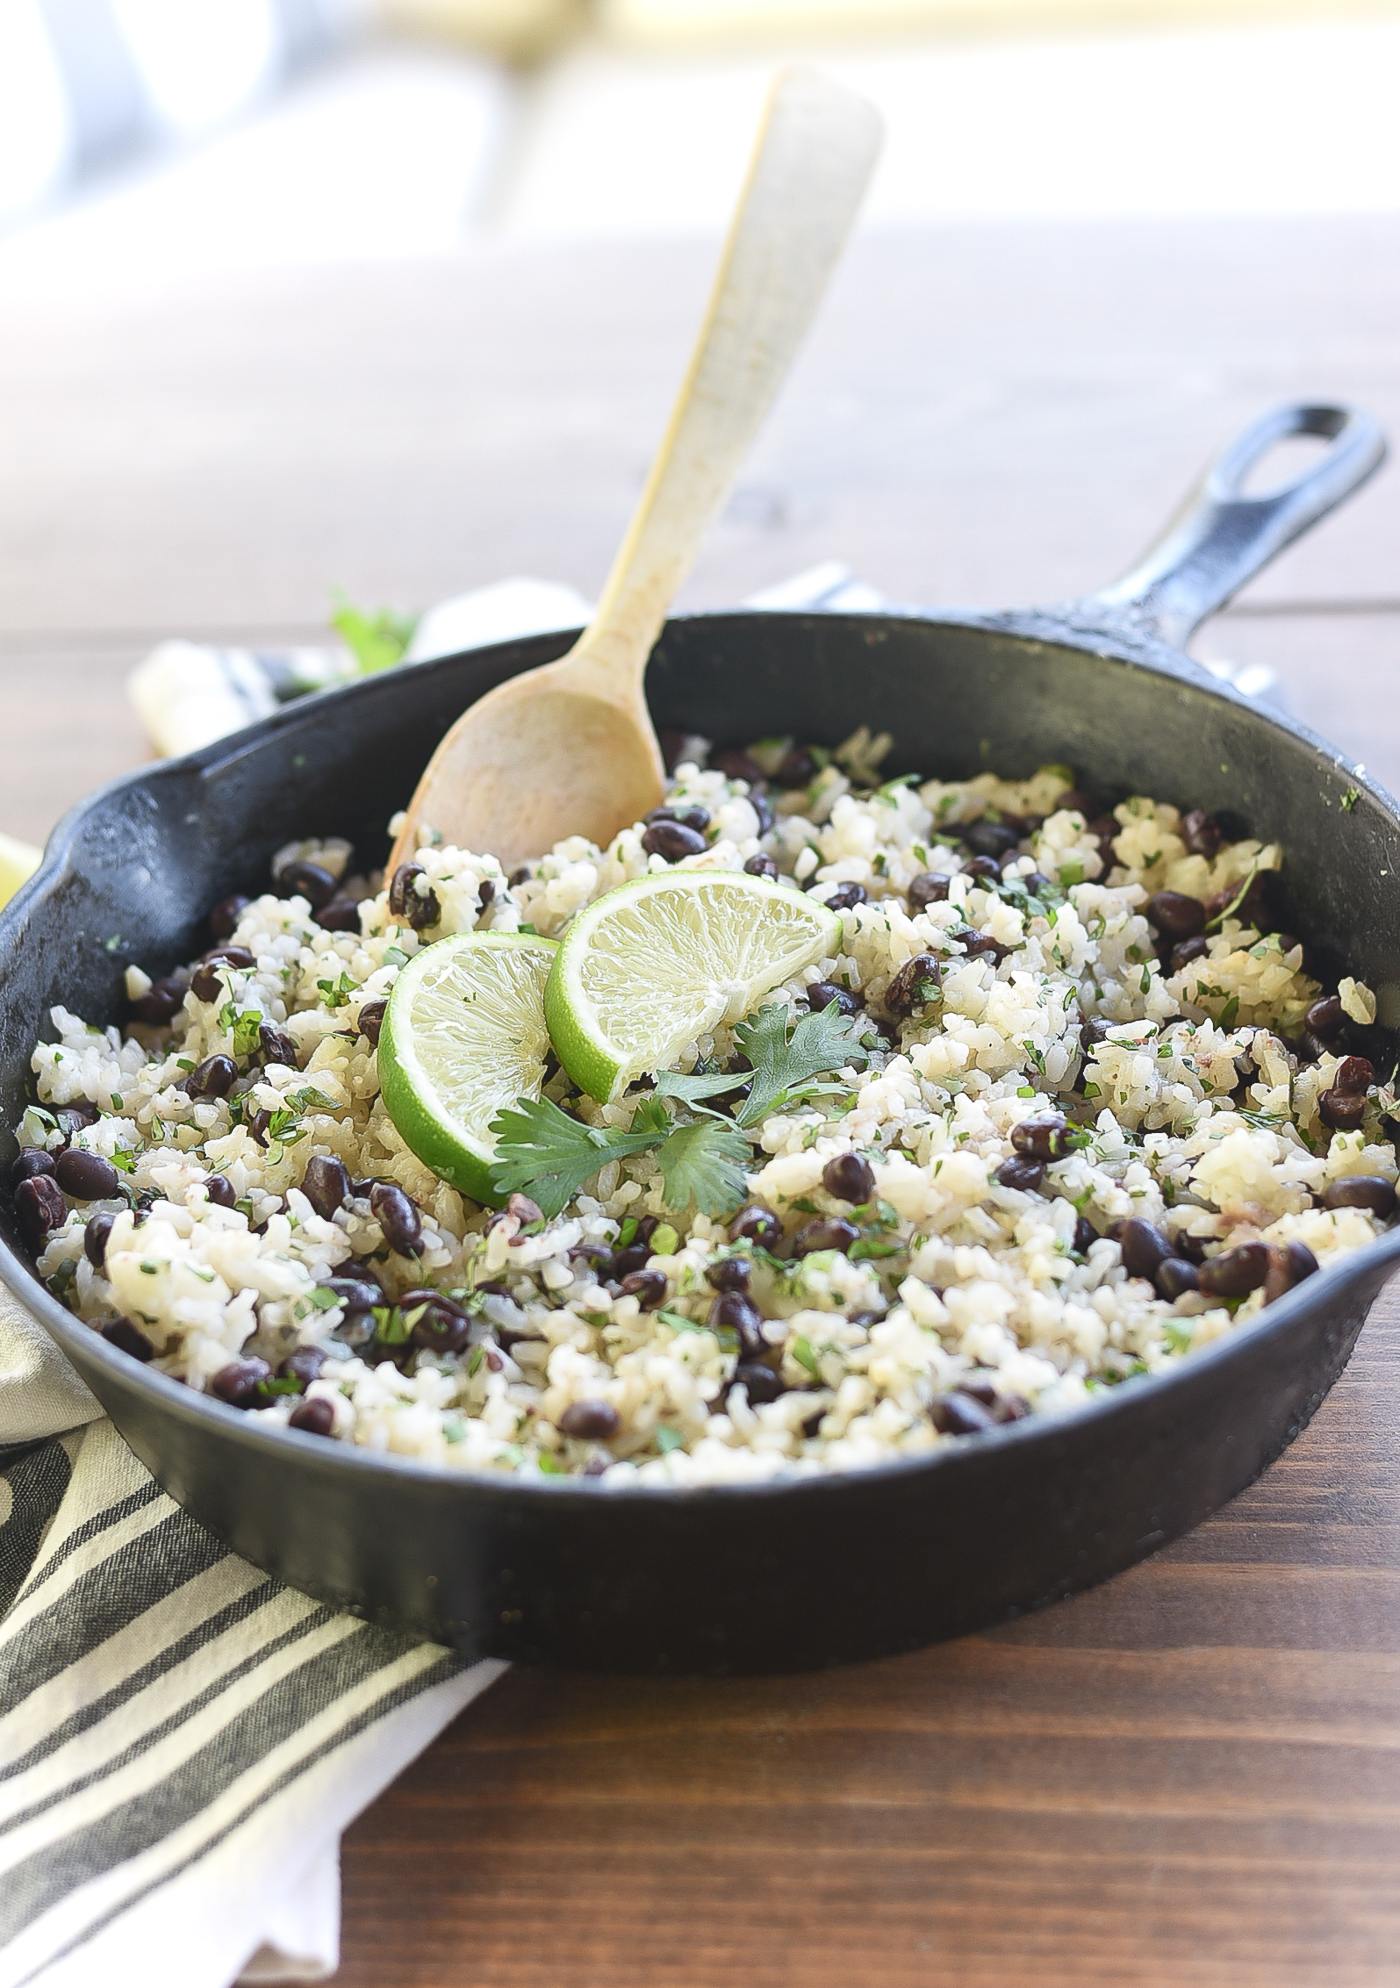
(182, 1740)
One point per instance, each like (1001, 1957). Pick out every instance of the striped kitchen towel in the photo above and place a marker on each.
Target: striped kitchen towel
(182, 1740)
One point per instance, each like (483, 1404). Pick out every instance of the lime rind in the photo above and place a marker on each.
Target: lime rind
(656, 963)
(464, 1034)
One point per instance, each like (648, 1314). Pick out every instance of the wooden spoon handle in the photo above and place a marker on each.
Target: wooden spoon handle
(814, 156)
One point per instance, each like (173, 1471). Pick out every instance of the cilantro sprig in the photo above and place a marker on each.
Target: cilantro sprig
(786, 1062)
(543, 1151)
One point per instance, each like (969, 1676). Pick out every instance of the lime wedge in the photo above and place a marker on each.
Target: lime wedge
(655, 963)
(463, 1035)
(18, 862)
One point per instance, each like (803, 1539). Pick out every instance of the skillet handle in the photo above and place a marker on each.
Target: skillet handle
(1221, 538)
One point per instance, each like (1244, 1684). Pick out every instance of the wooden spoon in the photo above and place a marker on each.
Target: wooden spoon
(569, 749)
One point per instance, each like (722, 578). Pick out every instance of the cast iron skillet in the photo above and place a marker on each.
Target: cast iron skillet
(789, 1575)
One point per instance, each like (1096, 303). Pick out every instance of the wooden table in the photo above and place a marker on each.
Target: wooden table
(1189, 1776)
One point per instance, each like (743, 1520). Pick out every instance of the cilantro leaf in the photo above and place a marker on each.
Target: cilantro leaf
(707, 1084)
(376, 641)
(784, 1064)
(541, 1151)
(706, 1163)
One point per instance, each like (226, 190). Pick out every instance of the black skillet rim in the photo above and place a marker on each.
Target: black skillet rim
(1127, 647)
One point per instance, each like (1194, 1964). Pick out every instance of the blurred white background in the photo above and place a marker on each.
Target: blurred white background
(144, 138)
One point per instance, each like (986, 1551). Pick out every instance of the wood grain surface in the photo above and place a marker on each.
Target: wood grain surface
(1190, 1776)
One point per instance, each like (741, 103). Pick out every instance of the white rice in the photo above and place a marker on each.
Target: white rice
(980, 1284)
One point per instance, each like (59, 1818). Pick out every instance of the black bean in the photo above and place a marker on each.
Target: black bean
(739, 1314)
(258, 1127)
(303, 1365)
(762, 866)
(983, 1391)
(731, 1273)
(370, 1020)
(205, 983)
(214, 1078)
(409, 906)
(1076, 801)
(797, 769)
(39, 1207)
(220, 1191)
(1201, 832)
(634, 1257)
(1026, 1176)
(929, 887)
(276, 1046)
(326, 1184)
(763, 808)
(648, 1287)
(984, 868)
(735, 764)
(75, 1118)
(846, 897)
(342, 914)
(95, 1235)
(590, 1421)
(397, 1216)
(1144, 1246)
(86, 1176)
(236, 956)
(1310, 1048)
(1188, 950)
(757, 1224)
(520, 876)
(989, 838)
(915, 987)
(486, 893)
(822, 993)
(596, 1256)
(1234, 1273)
(356, 1332)
(1343, 1111)
(1042, 1138)
(1260, 906)
(1289, 1264)
(315, 1417)
(1093, 1033)
(438, 1326)
(760, 1383)
(524, 1210)
(824, 1232)
(239, 1381)
(306, 880)
(1353, 1075)
(162, 999)
(1175, 915)
(128, 1338)
(357, 1294)
(960, 1414)
(1362, 1190)
(1326, 1018)
(696, 818)
(1174, 1276)
(849, 1178)
(223, 919)
(33, 1160)
(1085, 1236)
(672, 840)
(978, 944)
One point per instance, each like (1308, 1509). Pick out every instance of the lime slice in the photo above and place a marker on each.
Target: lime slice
(18, 862)
(464, 1034)
(655, 963)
